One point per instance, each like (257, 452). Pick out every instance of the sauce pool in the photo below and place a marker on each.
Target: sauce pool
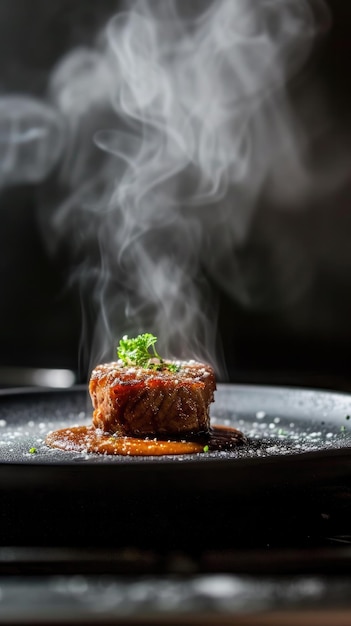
(89, 439)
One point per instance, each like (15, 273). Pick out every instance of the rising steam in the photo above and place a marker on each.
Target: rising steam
(174, 125)
(31, 140)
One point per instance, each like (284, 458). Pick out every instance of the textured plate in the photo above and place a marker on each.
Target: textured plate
(276, 421)
(292, 479)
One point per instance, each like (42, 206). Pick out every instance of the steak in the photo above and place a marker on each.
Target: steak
(135, 401)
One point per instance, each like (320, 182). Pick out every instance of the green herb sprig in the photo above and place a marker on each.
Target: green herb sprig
(141, 351)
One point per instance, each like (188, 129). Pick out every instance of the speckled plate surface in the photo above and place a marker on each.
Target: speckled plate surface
(294, 469)
(276, 421)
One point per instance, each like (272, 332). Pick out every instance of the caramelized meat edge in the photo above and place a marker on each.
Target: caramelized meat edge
(139, 402)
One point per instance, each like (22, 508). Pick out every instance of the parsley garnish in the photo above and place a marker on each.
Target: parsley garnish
(173, 367)
(136, 351)
(32, 450)
(206, 448)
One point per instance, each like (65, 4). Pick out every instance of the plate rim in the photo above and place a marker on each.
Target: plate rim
(189, 461)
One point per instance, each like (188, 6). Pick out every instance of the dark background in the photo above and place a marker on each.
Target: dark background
(306, 341)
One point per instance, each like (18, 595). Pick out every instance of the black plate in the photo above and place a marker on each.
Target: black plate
(292, 477)
(276, 421)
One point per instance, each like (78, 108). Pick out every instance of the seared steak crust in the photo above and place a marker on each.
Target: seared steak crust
(140, 402)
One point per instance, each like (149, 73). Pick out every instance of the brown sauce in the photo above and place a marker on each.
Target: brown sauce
(91, 439)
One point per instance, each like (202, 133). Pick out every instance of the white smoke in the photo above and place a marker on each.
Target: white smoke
(176, 123)
(31, 139)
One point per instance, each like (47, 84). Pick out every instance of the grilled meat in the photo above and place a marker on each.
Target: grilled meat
(141, 402)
